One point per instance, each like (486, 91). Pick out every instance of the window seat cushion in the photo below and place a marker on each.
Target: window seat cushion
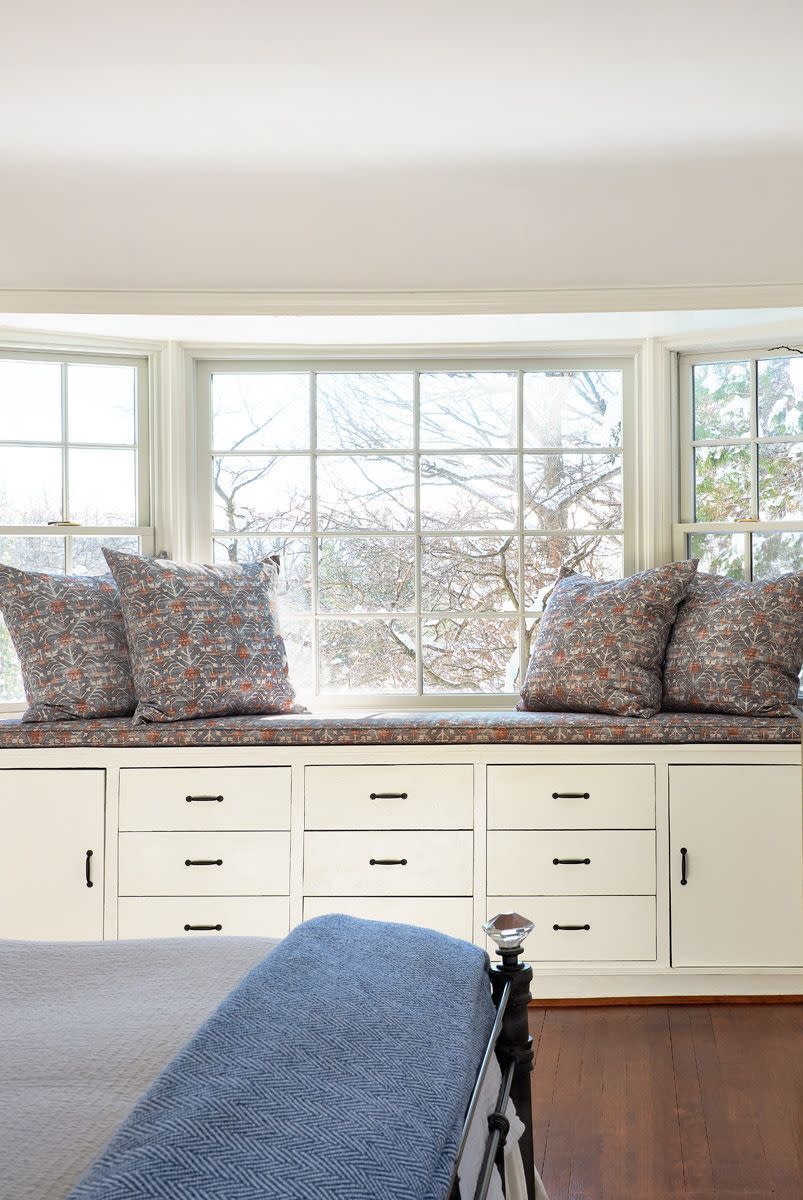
(407, 729)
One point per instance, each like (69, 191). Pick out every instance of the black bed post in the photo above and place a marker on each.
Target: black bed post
(515, 1044)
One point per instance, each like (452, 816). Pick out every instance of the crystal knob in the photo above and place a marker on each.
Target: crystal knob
(508, 930)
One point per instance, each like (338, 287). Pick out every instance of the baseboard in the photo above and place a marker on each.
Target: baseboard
(665, 985)
(644, 1001)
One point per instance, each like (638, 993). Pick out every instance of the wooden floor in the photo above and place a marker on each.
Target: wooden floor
(669, 1102)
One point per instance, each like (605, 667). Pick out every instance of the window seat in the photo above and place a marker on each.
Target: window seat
(407, 729)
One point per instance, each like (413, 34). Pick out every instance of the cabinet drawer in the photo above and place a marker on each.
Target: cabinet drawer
(620, 928)
(389, 797)
(421, 864)
(451, 915)
(205, 798)
(168, 916)
(603, 862)
(239, 864)
(571, 797)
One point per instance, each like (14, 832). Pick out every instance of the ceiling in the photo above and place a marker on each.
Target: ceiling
(401, 147)
(318, 84)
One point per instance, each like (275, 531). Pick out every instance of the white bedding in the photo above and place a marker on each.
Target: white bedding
(85, 1027)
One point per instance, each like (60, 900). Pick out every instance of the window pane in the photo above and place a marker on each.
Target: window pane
(468, 409)
(254, 411)
(470, 654)
(722, 483)
(366, 574)
(721, 400)
(780, 481)
(776, 554)
(101, 404)
(719, 553)
(11, 689)
(573, 408)
(780, 397)
(294, 591)
(599, 557)
(367, 655)
(33, 553)
(468, 491)
(30, 485)
(298, 644)
(367, 411)
(253, 493)
(103, 486)
(30, 401)
(470, 573)
(572, 491)
(87, 553)
(366, 492)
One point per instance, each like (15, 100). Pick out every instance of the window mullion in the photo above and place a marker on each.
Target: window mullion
(419, 640)
(520, 533)
(754, 443)
(313, 484)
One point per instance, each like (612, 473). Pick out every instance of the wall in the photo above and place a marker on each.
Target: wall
(684, 223)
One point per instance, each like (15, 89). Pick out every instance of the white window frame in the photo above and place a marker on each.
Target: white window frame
(415, 359)
(144, 528)
(686, 525)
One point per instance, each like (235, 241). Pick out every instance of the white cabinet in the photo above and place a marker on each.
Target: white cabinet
(51, 882)
(736, 867)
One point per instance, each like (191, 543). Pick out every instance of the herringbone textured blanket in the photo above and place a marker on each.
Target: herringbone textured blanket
(339, 1069)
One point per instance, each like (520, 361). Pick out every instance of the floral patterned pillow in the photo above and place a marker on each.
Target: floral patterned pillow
(736, 647)
(600, 646)
(204, 641)
(68, 633)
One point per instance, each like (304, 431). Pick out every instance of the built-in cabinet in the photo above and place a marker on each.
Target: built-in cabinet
(52, 872)
(736, 867)
(645, 871)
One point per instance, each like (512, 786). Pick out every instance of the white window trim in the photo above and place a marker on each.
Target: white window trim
(394, 358)
(684, 524)
(87, 351)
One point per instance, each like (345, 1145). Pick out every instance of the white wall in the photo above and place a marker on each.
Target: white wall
(684, 222)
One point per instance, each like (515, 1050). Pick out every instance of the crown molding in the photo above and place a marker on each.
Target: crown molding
(219, 302)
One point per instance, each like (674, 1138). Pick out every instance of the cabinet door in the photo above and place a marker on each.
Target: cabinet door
(49, 821)
(738, 830)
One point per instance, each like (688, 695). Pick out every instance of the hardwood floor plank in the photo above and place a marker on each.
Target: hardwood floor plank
(670, 1102)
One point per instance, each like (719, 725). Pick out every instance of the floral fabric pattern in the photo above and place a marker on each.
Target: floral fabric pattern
(736, 647)
(69, 636)
(410, 729)
(600, 646)
(204, 640)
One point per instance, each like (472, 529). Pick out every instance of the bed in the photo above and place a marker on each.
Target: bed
(86, 1029)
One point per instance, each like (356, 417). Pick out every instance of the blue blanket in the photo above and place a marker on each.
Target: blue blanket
(339, 1069)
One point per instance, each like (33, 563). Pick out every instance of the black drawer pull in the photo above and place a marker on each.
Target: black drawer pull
(572, 927)
(203, 862)
(388, 862)
(202, 928)
(388, 795)
(571, 795)
(204, 799)
(571, 862)
(683, 879)
(88, 869)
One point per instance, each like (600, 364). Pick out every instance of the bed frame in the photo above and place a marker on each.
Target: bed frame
(511, 1042)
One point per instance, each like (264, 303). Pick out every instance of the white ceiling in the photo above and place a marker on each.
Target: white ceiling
(317, 83)
(401, 146)
(434, 329)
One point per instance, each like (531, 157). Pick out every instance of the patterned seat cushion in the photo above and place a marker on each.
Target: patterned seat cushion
(736, 647)
(600, 646)
(69, 637)
(204, 640)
